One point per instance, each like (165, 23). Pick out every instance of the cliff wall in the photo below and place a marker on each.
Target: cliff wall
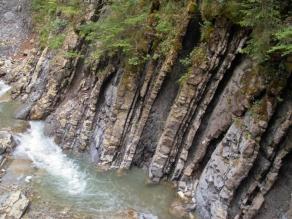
(222, 135)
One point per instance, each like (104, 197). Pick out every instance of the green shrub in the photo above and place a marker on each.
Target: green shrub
(128, 26)
(196, 58)
(167, 23)
(51, 17)
(121, 28)
(59, 25)
(55, 42)
(265, 19)
(186, 61)
(206, 30)
(284, 42)
(72, 54)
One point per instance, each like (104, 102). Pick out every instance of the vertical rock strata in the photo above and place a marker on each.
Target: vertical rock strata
(221, 136)
(192, 100)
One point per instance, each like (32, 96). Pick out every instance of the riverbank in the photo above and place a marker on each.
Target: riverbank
(65, 186)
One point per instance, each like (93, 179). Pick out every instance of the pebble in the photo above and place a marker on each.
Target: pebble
(28, 179)
(182, 195)
(25, 52)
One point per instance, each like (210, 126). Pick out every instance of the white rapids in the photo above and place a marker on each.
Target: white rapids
(45, 154)
(74, 182)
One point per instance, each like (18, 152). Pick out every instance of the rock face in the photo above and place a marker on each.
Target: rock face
(14, 24)
(13, 205)
(221, 136)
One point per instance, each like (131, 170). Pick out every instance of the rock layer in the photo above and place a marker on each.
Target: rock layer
(221, 137)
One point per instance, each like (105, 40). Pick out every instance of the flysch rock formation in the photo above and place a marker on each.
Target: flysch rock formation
(223, 137)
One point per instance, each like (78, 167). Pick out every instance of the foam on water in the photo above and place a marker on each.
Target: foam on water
(3, 88)
(74, 182)
(45, 154)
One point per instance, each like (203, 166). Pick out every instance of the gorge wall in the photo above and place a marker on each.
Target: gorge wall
(222, 135)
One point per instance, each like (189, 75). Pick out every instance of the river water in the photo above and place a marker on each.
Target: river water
(70, 181)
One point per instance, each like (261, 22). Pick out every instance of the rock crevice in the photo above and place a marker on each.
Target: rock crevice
(221, 136)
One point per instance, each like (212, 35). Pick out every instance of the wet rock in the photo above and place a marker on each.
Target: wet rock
(13, 205)
(7, 142)
(9, 16)
(2, 158)
(133, 214)
(146, 216)
(178, 209)
(23, 112)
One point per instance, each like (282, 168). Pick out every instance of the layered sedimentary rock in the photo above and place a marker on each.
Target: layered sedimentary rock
(221, 136)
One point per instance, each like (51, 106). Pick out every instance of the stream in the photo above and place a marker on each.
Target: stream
(71, 181)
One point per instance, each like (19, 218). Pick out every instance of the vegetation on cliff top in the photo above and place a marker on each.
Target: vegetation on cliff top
(121, 28)
(141, 29)
(52, 17)
(134, 27)
(269, 23)
(268, 20)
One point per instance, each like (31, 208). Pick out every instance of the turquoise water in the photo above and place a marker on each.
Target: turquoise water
(72, 181)
(7, 111)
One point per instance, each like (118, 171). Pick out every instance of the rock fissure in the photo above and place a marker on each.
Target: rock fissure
(194, 109)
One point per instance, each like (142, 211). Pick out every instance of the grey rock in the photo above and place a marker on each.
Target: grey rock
(147, 216)
(23, 112)
(13, 205)
(9, 16)
(7, 142)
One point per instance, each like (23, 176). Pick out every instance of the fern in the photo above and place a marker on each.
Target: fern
(284, 45)
(56, 41)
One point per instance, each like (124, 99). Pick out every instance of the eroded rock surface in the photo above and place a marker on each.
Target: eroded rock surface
(221, 137)
(13, 205)
(14, 22)
(7, 142)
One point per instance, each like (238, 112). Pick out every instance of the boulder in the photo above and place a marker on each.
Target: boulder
(133, 214)
(23, 112)
(13, 205)
(7, 142)
(178, 209)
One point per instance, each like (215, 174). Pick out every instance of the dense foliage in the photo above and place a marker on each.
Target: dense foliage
(51, 17)
(140, 31)
(270, 33)
(119, 28)
(268, 21)
(128, 26)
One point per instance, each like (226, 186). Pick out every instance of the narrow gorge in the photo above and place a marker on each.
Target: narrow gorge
(146, 109)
